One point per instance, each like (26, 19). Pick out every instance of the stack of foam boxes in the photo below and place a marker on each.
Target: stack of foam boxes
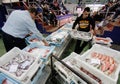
(92, 66)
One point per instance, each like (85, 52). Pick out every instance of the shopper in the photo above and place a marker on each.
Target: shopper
(18, 25)
(85, 23)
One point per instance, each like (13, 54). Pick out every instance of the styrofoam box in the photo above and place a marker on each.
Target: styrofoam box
(71, 76)
(65, 73)
(106, 79)
(58, 34)
(84, 35)
(58, 67)
(11, 1)
(33, 36)
(40, 53)
(27, 75)
(75, 78)
(3, 77)
(102, 42)
(81, 65)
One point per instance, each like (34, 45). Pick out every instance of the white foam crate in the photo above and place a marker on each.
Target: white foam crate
(57, 38)
(65, 73)
(80, 35)
(106, 79)
(33, 36)
(75, 78)
(27, 75)
(79, 65)
(11, 1)
(59, 65)
(40, 54)
(103, 41)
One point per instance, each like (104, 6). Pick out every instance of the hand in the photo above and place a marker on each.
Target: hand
(74, 30)
(46, 43)
(93, 32)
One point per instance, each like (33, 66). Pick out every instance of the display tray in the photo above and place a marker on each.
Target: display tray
(80, 35)
(33, 39)
(19, 64)
(43, 52)
(57, 38)
(102, 62)
(103, 41)
(67, 74)
(81, 69)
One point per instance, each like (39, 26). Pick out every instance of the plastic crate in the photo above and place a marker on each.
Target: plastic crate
(28, 73)
(4, 77)
(57, 38)
(41, 51)
(80, 35)
(33, 39)
(106, 79)
(80, 65)
(103, 41)
(65, 73)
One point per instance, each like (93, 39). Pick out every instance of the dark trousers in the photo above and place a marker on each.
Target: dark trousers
(10, 42)
(2, 16)
(79, 47)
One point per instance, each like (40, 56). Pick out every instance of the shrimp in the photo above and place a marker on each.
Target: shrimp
(112, 68)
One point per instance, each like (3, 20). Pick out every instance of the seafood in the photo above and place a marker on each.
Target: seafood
(19, 64)
(107, 63)
(34, 40)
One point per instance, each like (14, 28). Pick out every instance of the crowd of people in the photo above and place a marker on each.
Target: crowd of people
(51, 9)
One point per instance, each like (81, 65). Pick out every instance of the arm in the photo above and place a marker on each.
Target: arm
(45, 42)
(92, 26)
(75, 23)
(92, 23)
(32, 28)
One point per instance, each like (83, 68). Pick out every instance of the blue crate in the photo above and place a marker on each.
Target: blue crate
(36, 45)
(3, 77)
(54, 43)
(27, 39)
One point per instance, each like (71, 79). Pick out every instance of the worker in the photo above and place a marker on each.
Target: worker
(18, 25)
(85, 23)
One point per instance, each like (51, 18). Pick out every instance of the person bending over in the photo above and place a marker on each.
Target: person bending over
(18, 25)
